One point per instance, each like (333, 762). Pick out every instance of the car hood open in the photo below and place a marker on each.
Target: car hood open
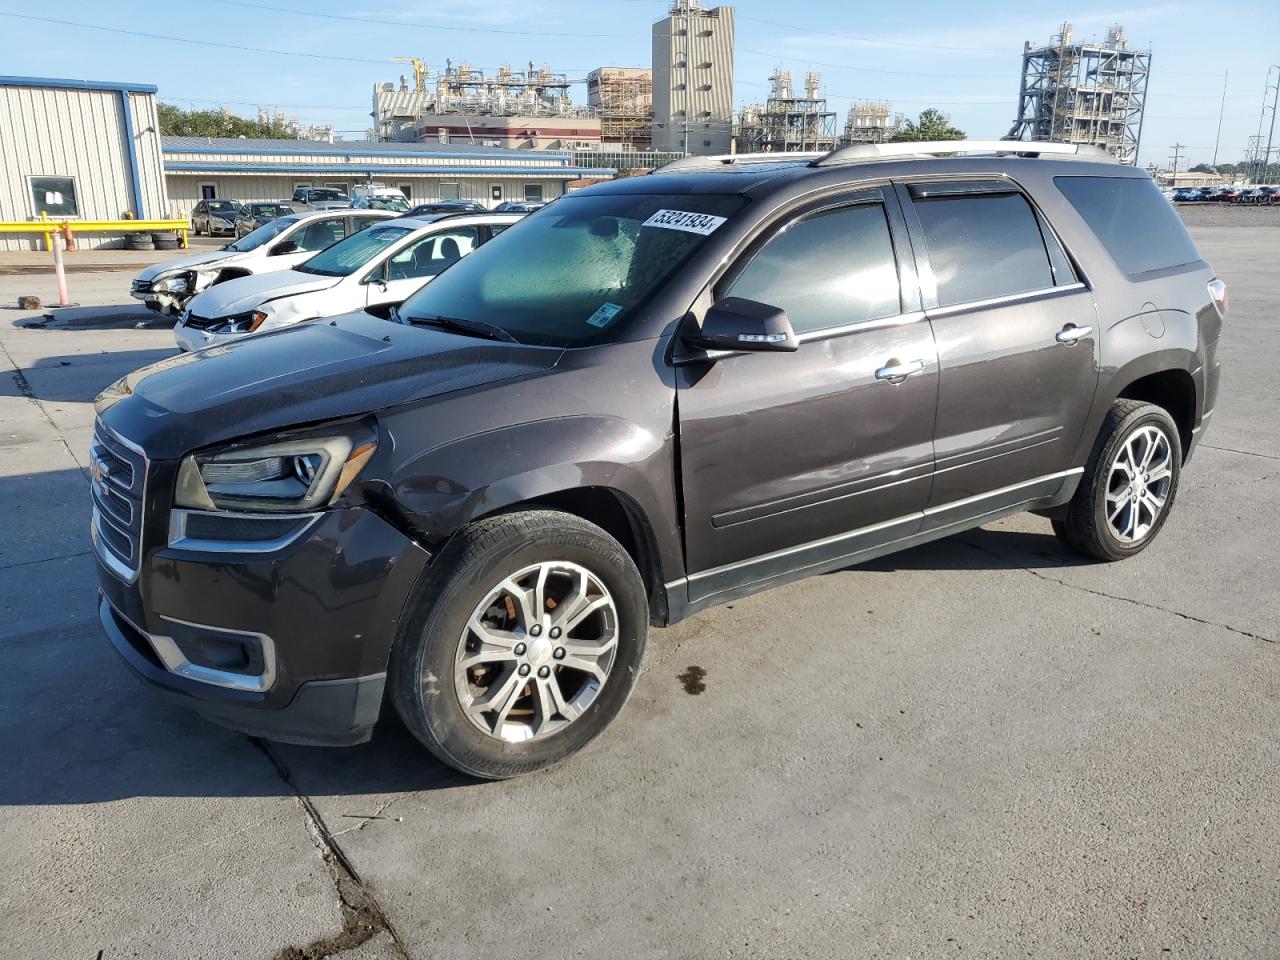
(322, 370)
(247, 293)
(190, 260)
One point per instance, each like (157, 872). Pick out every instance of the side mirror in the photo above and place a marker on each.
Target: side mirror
(737, 324)
(288, 246)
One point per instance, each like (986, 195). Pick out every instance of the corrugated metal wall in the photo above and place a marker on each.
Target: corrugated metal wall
(49, 131)
(184, 188)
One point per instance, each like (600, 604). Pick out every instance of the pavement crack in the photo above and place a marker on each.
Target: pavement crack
(1243, 453)
(362, 916)
(368, 818)
(1010, 565)
(24, 388)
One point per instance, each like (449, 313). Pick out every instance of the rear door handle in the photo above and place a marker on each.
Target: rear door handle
(1071, 333)
(895, 371)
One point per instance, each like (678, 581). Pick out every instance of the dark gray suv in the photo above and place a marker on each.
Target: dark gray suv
(653, 396)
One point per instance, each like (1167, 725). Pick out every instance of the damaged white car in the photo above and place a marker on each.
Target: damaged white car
(283, 243)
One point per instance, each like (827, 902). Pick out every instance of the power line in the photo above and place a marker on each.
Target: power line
(877, 40)
(385, 22)
(896, 73)
(202, 43)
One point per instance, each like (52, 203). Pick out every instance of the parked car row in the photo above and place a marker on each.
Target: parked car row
(278, 244)
(376, 267)
(1249, 195)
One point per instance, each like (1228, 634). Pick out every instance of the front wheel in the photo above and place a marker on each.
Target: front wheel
(1129, 485)
(525, 643)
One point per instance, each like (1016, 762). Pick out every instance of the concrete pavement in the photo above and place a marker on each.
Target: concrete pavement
(980, 747)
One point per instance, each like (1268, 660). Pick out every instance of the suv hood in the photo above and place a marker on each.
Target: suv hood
(190, 260)
(323, 370)
(246, 293)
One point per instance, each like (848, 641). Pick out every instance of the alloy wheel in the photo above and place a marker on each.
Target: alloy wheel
(536, 651)
(1138, 483)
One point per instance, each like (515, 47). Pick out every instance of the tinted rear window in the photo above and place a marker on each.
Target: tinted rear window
(1133, 220)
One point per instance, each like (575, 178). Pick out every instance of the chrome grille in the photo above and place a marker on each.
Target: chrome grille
(141, 286)
(199, 323)
(117, 472)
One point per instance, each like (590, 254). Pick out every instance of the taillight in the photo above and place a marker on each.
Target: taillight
(1218, 290)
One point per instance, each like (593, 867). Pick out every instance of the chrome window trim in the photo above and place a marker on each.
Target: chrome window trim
(178, 538)
(862, 531)
(878, 323)
(1043, 293)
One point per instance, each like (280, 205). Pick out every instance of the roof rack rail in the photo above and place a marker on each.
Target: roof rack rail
(720, 161)
(868, 152)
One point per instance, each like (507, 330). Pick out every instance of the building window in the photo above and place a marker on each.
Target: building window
(449, 191)
(337, 185)
(208, 191)
(533, 192)
(407, 190)
(55, 196)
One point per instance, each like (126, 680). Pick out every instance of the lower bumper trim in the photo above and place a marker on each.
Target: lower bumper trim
(325, 713)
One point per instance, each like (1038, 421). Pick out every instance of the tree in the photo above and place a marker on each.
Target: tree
(933, 125)
(176, 122)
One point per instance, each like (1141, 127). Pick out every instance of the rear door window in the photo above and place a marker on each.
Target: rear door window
(827, 270)
(983, 246)
(1135, 223)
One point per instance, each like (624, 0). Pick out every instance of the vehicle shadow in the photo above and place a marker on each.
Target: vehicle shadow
(982, 548)
(76, 378)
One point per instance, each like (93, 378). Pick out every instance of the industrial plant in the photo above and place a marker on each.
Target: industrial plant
(788, 120)
(1085, 93)
(521, 109)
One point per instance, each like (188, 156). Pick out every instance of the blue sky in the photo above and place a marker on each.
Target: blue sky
(963, 58)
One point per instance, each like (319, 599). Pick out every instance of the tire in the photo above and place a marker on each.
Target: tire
(139, 241)
(1087, 525)
(195, 227)
(431, 692)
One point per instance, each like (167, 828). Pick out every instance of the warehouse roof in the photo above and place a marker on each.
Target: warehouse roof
(63, 84)
(398, 149)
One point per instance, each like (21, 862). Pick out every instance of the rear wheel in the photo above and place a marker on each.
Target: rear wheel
(1129, 485)
(526, 643)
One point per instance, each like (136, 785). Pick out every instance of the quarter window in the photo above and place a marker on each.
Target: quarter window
(1136, 225)
(983, 246)
(827, 270)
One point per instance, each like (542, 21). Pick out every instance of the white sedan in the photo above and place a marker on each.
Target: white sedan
(377, 267)
(166, 287)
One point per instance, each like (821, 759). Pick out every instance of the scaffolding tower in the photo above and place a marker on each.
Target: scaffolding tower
(622, 97)
(1087, 93)
(788, 122)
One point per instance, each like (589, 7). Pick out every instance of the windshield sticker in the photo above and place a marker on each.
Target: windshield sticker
(602, 316)
(702, 223)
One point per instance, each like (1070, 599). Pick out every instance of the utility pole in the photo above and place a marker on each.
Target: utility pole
(1275, 102)
(1177, 149)
(1221, 110)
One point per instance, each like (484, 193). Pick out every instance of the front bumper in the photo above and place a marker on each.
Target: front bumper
(310, 625)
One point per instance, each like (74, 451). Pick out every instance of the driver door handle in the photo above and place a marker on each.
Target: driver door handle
(895, 371)
(1071, 333)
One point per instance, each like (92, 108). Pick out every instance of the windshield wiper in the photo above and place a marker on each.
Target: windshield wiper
(474, 328)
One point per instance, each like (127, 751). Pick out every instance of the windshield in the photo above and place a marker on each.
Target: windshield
(574, 274)
(269, 210)
(324, 193)
(219, 206)
(256, 238)
(398, 204)
(347, 256)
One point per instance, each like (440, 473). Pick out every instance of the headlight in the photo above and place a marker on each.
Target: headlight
(284, 475)
(246, 322)
(174, 283)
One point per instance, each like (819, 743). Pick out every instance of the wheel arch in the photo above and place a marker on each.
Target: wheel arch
(1174, 390)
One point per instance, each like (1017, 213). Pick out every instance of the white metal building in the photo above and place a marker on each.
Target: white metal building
(199, 168)
(693, 79)
(78, 149)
